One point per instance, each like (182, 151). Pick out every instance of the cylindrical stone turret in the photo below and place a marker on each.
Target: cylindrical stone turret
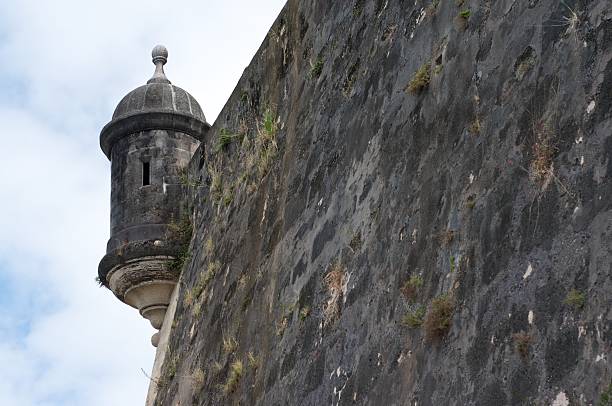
(154, 132)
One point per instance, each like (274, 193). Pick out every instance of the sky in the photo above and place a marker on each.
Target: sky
(64, 66)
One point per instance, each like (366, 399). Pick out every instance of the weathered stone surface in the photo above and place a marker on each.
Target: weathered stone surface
(492, 182)
(150, 141)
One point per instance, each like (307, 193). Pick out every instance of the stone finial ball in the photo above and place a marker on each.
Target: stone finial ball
(160, 53)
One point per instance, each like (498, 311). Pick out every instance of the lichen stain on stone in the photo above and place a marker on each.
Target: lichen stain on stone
(591, 107)
(561, 400)
(528, 271)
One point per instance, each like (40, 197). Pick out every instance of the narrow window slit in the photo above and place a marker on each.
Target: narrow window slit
(146, 173)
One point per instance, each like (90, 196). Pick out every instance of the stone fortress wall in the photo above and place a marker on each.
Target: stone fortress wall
(403, 203)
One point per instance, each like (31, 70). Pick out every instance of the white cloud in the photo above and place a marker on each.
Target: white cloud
(66, 64)
(77, 338)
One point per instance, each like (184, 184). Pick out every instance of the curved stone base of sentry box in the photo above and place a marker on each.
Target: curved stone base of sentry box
(155, 314)
(147, 285)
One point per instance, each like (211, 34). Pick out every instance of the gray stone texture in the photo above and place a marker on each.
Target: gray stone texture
(137, 211)
(447, 183)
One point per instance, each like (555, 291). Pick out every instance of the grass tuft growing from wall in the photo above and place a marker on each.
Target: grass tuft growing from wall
(420, 80)
(235, 373)
(575, 298)
(415, 318)
(522, 343)
(410, 288)
(437, 322)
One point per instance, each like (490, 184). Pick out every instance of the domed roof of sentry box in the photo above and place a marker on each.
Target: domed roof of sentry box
(157, 105)
(159, 93)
